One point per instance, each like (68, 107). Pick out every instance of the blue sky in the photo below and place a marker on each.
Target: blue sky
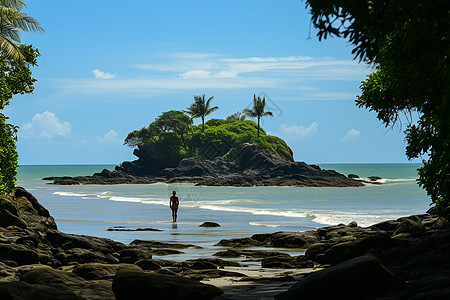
(107, 68)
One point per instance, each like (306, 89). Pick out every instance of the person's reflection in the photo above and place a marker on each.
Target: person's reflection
(174, 226)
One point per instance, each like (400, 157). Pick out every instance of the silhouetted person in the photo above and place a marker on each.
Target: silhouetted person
(174, 202)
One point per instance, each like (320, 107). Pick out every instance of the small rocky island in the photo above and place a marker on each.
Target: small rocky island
(225, 153)
(253, 167)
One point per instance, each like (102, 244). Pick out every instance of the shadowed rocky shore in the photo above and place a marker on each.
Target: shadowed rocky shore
(253, 167)
(406, 258)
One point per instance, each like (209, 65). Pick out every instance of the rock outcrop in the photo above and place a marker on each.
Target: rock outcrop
(253, 167)
(405, 258)
(37, 261)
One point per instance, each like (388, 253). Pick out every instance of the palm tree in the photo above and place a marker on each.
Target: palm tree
(12, 22)
(257, 111)
(236, 116)
(200, 108)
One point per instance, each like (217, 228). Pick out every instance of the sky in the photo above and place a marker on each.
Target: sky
(107, 68)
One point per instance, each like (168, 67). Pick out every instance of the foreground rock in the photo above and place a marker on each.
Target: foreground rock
(140, 285)
(253, 167)
(37, 261)
(359, 278)
(403, 258)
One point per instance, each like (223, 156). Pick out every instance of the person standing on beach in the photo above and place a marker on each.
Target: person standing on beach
(174, 202)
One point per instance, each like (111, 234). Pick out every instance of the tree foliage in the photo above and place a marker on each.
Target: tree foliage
(15, 78)
(12, 22)
(217, 138)
(258, 110)
(201, 108)
(408, 43)
(236, 116)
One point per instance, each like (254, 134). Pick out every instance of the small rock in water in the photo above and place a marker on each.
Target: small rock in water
(209, 224)
(352, 176)
(122, 228)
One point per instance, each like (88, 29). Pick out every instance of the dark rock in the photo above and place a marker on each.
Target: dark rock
(363, 277)
(161, 252)
(82, 256)
(216, 261)
(408, 225)
(95, 271)
(20, 192)
(230, 253)
(352, 176)
(202, 265)
(238, 243)
(283, 262)
(148, 264)
(130, 229)
(211, 273)
(374, 178)
(389, 226)
(139, 285)
(340, 252)
(300, 240)
(156, 244)
(9, 215)
(209, 224)
(352, 224)
(17, 290)
(68, 281)
(18, 253)
(132, 255)
(68, 241)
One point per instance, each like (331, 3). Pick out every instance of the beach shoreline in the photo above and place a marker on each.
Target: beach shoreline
(37, 257)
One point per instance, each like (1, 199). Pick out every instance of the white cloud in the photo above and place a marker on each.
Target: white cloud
(294, 132)
(196, 74)
(102, 75)
(187, 71)
(110, 137)
(351, 135)
(45, 126)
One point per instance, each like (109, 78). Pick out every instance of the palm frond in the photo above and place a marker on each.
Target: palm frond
(27, 24)
(14, 4)
(10, 49)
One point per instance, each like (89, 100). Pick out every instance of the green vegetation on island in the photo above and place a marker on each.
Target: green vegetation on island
(173, 136)
(408, 43)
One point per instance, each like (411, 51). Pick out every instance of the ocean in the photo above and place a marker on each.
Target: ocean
(241, 211)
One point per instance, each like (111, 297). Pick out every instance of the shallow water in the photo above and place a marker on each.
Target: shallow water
(241, 211)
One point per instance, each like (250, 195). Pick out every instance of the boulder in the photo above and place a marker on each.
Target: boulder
(18, 290)
(300, 240)
(139, 285)
(229, 253)
(363, 277)
(9, 215)
(148, 264)
(283, 262)
(95, 271)
(203, 265)
(162, 252)
(18, 253)
(209, 224)
(132, 255)
(156, 244)
(408, 225)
